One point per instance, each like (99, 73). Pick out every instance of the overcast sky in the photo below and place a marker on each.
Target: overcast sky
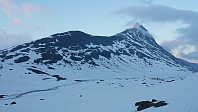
(173, 23)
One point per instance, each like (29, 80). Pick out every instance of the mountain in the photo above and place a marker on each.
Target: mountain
(78, 72)
(133, 48)
(131, 51)
(193, 66)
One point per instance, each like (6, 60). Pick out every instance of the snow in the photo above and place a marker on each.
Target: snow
(64, 34)
(104, 90)
(102, 96)
(113, 87)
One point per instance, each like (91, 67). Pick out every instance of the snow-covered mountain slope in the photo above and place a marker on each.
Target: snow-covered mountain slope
(126, 52)
(193, 66)
(75, 69)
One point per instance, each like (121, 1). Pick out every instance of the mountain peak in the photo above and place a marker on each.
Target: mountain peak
(136, 25)
(139, 27)
(140, 30)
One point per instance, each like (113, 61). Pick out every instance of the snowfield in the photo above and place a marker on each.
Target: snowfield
(99, 94)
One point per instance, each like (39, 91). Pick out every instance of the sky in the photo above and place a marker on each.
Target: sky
(173, 23)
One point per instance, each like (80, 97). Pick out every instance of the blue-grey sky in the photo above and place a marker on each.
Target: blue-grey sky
(173, 23)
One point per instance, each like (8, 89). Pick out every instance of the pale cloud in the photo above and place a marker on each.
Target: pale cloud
(14, 11)
(191, 60)
(157, 13)
(11, 39)
(10, 9)
(17, 21)
(184, 52)
(31, 9)
(186, 49)
(189, 49)
(146, 1)
(172, 44)
(181, 49)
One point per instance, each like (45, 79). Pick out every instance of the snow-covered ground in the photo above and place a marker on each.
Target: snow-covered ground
(99, 94)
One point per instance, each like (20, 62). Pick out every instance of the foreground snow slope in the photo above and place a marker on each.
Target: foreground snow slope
(103, 95)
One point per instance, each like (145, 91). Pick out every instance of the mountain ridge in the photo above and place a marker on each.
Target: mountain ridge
(132, 49)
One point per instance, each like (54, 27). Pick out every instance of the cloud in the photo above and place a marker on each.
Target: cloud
(146, 1)
(8, 39)
(186, 49)
(157, 13)
(172, 44)
(183, 45)
(9, 8)
(17, 21)
(15, 12)
(31, 9)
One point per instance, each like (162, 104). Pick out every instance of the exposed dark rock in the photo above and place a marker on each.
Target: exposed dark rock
(33, 67)
(147, 104)
(157, 78)
(160, 103)
(22, 59)
(13, 103)
(37, 71)
(2, 96)
(143, 105)
(42, 99)
(29, 73)
(51, 68)
(75, 58)
(80, 80)
(93, 63)
(154, 100)
(1, 66)
(25, 50)
(17, 48)
(46, 78)
(10, 56)
(58, 77)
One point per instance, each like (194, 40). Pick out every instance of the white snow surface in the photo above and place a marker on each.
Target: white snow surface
(100, 90)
